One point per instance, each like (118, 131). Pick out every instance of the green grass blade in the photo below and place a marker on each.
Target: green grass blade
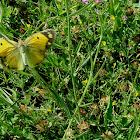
(54, 94)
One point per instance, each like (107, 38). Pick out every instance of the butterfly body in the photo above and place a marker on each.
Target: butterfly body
(30, 52)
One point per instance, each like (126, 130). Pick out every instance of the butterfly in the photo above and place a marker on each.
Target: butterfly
(31, 52)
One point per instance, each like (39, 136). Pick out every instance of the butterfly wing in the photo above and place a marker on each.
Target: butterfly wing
(36, 45)
(10, 55)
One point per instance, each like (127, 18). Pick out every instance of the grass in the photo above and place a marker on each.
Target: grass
(89, 85)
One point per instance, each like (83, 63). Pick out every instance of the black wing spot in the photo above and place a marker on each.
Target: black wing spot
(1, 44)
(37, 37)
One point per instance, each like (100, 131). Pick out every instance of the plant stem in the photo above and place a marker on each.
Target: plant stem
(69, 50)
(89, 81)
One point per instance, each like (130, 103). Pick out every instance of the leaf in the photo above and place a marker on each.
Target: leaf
(108, 114)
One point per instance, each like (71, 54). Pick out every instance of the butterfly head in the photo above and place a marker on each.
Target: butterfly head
(20, 42)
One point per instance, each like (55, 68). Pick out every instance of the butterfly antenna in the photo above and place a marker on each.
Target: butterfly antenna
(24, 34)
(10, 36)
